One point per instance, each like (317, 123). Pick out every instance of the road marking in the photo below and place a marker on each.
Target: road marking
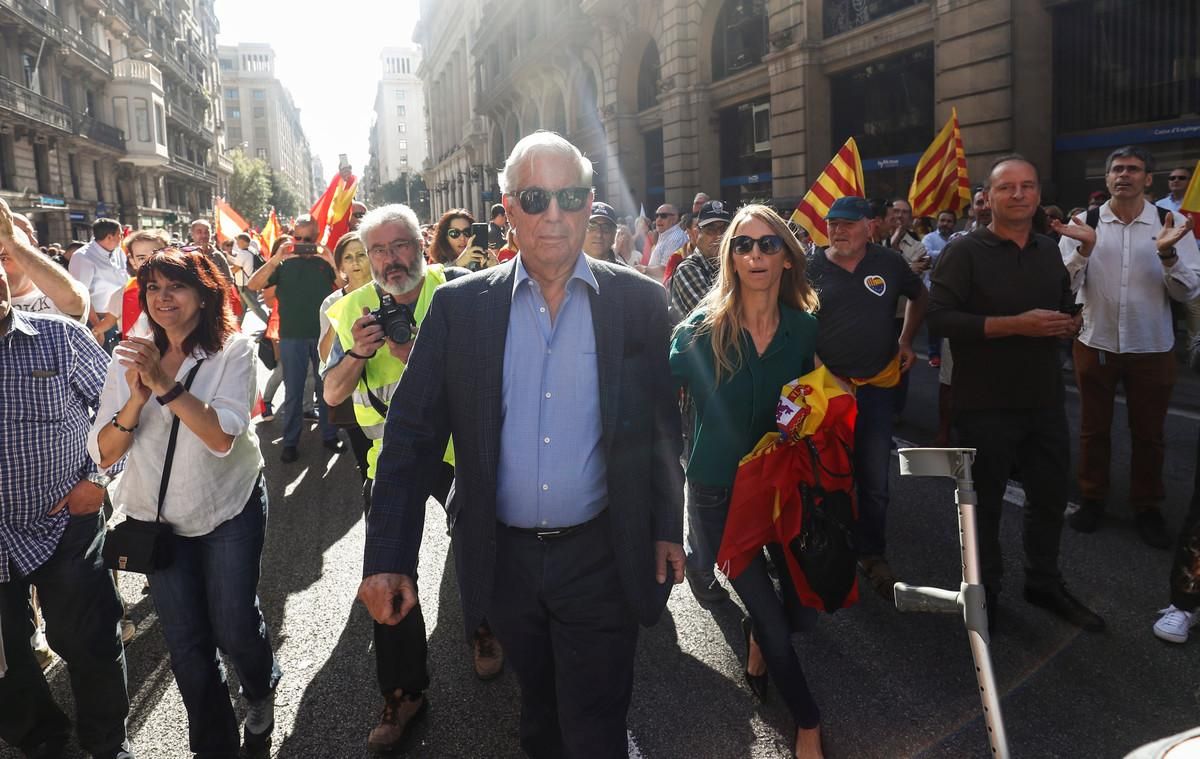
(1013, 492)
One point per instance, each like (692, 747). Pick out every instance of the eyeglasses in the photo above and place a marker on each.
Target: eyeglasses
(304, 239)
(1178, 178)
(454, 233)
(395, 248)
(665, 215)
(769, 245)
(535, 200)
(602, 226)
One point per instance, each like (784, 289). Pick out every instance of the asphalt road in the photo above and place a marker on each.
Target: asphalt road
(889, 685)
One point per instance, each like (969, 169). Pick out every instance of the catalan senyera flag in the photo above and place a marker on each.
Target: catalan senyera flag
(842, 177)
(332, 211)
(270, 233)
(229, 224)
(940, 181)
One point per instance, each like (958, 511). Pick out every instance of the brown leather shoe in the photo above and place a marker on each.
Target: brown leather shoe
(399, 711)
(489, 655)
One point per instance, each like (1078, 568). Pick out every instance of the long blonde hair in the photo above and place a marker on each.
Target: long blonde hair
(722, 306)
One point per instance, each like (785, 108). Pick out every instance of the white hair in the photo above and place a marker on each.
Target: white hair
(541, 141)
(389, 214)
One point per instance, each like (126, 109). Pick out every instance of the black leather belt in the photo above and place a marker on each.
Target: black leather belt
(553, 533)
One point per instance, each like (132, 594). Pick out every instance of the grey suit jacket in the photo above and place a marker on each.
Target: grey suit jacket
(453, 386)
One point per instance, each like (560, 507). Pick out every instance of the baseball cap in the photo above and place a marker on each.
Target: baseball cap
(849, 208)
(604, 211)
(714, 210)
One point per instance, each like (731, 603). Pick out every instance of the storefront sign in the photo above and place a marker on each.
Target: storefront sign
(50, 201)
(79, 216)
(891, 162)
(1184, 130)
(763, 178)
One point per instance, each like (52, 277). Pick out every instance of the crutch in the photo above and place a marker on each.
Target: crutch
(969, 600)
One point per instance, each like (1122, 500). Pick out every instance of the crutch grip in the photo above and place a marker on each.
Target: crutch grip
(917, 598)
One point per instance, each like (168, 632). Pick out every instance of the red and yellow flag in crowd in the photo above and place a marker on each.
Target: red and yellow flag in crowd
(941, 181)
(227, 222)
(842, 177)
(332, 211)
(271, 232)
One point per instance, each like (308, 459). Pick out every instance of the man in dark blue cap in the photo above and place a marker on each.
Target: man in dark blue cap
(696, 274)
(860, 284)
(601, 233)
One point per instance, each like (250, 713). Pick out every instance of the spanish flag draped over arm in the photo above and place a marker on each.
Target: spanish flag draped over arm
(940, 181)
(842, 177)
(332, 211)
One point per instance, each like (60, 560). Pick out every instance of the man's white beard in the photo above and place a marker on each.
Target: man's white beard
(414, 280)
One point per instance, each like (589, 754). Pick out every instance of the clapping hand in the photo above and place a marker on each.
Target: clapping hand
(142, 356)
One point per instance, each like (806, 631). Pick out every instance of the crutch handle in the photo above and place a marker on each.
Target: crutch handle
(917, 598)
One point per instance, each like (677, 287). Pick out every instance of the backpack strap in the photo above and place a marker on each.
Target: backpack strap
(1093, 217)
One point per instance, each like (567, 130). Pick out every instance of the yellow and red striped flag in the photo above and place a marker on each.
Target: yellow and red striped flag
(271, 232)
(228, 222)
(842, 177)
(332, 210)
(1191, 197)
(940, 181)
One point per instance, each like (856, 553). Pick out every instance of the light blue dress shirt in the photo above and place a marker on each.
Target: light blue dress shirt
(552, 471)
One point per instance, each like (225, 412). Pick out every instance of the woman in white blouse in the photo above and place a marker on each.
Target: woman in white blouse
(216, 499)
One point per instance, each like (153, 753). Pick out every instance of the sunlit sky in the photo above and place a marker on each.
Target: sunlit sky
(327, 55)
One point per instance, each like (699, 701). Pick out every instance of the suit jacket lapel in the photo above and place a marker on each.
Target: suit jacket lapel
(610, 341)
(490, 337)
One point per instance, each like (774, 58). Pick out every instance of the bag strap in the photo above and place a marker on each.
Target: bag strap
(166, 475)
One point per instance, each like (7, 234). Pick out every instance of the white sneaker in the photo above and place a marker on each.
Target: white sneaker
(1174, 624)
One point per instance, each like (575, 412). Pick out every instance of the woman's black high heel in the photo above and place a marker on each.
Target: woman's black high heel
(757, 683)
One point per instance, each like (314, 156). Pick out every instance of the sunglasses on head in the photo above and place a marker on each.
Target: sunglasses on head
(535, 200)
(454, 233)
(769, 245)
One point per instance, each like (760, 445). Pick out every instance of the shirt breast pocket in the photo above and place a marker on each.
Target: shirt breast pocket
(41, 399)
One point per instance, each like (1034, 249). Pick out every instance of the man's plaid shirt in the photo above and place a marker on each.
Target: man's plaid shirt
(51, 374)
(693, 278)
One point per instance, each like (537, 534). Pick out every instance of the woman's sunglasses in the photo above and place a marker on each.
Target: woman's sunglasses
(454, 233)
(769, 245)
(535, 200)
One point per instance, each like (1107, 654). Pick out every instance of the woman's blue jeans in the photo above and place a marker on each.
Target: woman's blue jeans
(207, 602)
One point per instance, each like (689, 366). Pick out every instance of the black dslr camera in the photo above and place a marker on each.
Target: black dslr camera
(397, 319)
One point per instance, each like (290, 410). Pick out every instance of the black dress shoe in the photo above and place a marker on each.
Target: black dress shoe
(333, 444)
(1087, 517)
(289, 454)
(1065, 606)
(757, 683)
(1152, 529)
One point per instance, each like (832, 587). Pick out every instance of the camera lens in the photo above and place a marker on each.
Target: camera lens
(398, 331)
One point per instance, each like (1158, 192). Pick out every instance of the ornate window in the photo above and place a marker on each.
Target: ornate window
(740, 40)
(843, 15)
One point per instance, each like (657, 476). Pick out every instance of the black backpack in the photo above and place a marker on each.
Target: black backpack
(1093, 216)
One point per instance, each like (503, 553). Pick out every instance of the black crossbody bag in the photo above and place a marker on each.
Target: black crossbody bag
(136, 545)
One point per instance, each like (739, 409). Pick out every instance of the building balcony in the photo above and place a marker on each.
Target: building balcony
(25, 102)
(138, 72)
(121, 11)
(192, 170)
(87, 52)
(98, 131)
(176, 67)
(191, 123)
(34, 15)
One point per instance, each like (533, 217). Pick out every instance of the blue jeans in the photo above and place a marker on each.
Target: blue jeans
(873, 466)
(299, 356)
(83, 614)
(208, 600)
(776, 615)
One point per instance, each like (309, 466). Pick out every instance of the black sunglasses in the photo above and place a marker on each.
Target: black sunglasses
(304, 239)
(665, 215)
(769, 245)
(535, 200)
(359, 214)
(454, 233)
(1177, 178)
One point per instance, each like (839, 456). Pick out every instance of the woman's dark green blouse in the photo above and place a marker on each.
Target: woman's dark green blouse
(731, 417)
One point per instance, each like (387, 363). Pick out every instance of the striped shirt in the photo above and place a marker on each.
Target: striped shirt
(51, 373)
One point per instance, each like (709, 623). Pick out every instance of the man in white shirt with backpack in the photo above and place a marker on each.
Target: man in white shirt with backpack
(1128, 260)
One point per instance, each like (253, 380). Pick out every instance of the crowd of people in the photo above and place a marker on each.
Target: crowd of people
(572, 386)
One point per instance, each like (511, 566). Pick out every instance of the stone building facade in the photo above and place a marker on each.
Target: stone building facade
(106, 109)
(748, 99)
(399, 144)
(261, 118)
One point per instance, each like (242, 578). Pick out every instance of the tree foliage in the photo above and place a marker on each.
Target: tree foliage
(409, 190)
(250, 188)
(284, 198)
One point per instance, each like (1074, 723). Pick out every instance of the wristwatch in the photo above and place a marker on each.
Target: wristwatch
(100, 479)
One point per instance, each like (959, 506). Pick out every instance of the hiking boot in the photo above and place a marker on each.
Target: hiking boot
(1174, 624)
(489, 654)
(1087, 517)
(1152, 529)
(879, 573)
(260, 722)
(705, 586)
(399, 711)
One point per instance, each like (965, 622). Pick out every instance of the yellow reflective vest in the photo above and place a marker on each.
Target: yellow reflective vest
(382, 372)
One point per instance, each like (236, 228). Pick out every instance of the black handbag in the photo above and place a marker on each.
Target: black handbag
(824, 549)
(136, 545)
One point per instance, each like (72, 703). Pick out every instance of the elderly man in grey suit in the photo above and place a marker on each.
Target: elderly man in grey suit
(550, 371)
